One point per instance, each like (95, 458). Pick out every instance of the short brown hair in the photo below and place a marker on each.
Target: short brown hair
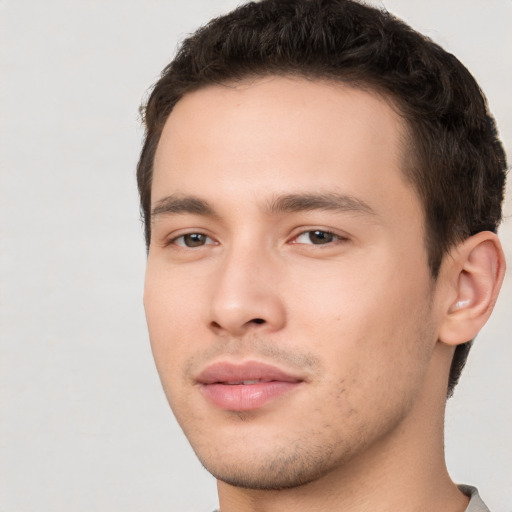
(455, 161)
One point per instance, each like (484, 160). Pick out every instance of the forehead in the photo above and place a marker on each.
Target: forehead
(281, 135)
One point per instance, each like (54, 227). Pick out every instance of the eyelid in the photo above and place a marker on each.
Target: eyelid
(172, 239)
(338, 237)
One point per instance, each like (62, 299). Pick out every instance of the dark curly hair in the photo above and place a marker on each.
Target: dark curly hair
(455, 161)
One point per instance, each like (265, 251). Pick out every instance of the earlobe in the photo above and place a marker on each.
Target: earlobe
(475, 268)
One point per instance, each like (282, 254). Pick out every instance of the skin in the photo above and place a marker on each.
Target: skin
(358, 318)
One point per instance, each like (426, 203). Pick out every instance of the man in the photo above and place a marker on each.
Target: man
(321, 188)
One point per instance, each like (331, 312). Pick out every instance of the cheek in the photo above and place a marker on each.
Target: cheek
(370, 325)
(168, 313)
(170, 297)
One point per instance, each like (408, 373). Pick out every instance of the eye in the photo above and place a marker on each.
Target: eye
(192, 240)
(316, 237)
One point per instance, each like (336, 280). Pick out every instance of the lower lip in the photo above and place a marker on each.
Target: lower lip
(246, 397)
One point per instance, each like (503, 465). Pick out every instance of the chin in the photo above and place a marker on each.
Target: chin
(266, 471)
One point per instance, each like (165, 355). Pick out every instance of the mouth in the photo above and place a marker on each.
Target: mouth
(245, 387)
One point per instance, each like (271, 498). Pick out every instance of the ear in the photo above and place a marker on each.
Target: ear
(474, 271)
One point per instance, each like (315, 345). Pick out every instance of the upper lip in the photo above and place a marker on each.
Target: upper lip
(229, 373)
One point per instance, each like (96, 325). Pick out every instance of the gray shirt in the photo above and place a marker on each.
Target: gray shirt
(475, 502)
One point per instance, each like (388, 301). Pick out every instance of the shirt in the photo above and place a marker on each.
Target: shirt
(475, 502)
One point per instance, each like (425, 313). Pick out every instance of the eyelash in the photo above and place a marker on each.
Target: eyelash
(329, 237)
(332, 238)
(174, 241)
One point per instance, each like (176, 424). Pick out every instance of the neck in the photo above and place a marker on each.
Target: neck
(405, 470)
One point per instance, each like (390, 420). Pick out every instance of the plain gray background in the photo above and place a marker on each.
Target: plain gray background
(84, 425)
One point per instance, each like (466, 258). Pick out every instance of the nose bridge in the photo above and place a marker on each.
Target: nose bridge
(245, 294)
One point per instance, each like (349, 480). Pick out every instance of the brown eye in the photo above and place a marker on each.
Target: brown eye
(321, 237)
(192, 240)
(316, 237)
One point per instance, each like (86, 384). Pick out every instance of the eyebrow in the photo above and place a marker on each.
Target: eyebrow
(328, 201)
(288, 203)
(181, 205)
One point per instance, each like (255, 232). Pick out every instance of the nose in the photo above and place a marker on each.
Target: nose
(246, 295)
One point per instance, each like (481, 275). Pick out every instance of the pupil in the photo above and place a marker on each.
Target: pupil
(194, 240)
(321, 237)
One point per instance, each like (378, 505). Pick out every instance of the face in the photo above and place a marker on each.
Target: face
(288, 295)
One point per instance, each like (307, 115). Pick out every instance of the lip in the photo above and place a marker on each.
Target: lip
(245, 387)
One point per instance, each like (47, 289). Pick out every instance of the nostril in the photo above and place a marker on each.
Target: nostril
(219, 326)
